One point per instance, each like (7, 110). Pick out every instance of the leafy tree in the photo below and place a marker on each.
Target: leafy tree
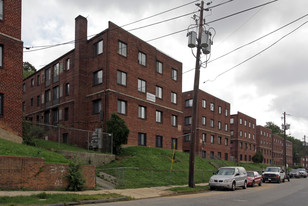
(258, 157)
(28, 69)
(120, 132)
(275, 129)
(74, 176)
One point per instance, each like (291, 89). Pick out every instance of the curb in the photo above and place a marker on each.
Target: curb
(89, 201)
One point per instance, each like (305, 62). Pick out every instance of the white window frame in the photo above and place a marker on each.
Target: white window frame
(142, 58)
(203, 120)
(142, 85)
(159, 92)
(98, 77)
(219, 110)
(203, 103)
(188, 120)
(212, 139)
(1, 55)
(212, 107)
(122, 106)
(121, 78)
(174, 120)
(122, 48)
(188, 102)
(173, 97)
(1, 10)
(159, 67)
(141, 112)
(174, 74)
(159, 116)
(98, 47)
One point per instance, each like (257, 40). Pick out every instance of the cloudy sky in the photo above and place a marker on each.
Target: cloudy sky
(263, 79)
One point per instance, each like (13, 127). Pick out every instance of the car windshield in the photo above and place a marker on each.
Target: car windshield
(294, 170)
(226, 171)
(301, 169)
(250, 174)
(271, 169)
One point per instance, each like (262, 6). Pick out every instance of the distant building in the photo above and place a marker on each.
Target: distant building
(278, 150)
(264, 143)
(213, 128)
(243, 137)
(289, 153)
(304, 161)
(112, 72)
(11, 54)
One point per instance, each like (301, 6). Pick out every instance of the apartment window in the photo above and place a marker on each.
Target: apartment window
(187, 137)
(245, 123)
(249, 124)
(121, 78)
(189, 103)
(142, 139)
(226, 141)
(226, 156)
(231, 132)
(66, 114)
(212, 155)
(38, 80)
(241, 121)
(226, 127)
(159, 67)
(47, 77)
(212, 139)
(241, 133)
(174, 120)
(97, 106)
(55, 95)
(67, 89)
(219, 125)
(188, 120)
(1, 9)
(2, 102)
(56, 70)
(38, 100)
(159, 92)
(32, 82)
(65, 138)
(142, 85)
(47, 96)
(174, 143)
(98, 48)
(174, 74)
(219, 155)
(231, 121)
(173, 98)
(55, 116)
(203, 137)
(253, 126)
(159, 116)
(203, 154)
(212, 107)
(219, 110)
(203, 103)
(245, 134)
(249, 136)
(226, 112)
(241, 145)
(98, 77)
(212, 123)
(159, 141)
(142, 58)
(141, 112)
(1, 47)
(67, 64)
(219, 140)
(122, 107)
(122, 49)
(241, 157)
(203, 120)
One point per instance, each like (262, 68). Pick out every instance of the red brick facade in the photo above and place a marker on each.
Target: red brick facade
(277, 150)
(105, 74)
(213, 128)
(11, 54)
(264, 143)
(32, 173)
(243, 137)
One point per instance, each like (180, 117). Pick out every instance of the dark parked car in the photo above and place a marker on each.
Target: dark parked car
(253, 178)
(294, 173)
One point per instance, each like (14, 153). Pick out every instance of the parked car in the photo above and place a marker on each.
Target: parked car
(302, 172)
(229, 177)
(294, 173)
(253, 178)
(274, 174)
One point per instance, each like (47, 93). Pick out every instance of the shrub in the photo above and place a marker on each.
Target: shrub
(74, 176)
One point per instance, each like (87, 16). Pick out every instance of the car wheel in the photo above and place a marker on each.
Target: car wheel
(253, 184)
(245, 185)
(260, 183)
(233, 186)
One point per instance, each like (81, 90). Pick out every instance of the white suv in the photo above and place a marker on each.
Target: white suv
(229, 177)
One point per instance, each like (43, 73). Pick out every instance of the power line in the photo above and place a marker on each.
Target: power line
(256, 53)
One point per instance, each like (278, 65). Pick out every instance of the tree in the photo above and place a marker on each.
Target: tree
(120, 132)
(258, 157)
(275, 129)
(28, 69)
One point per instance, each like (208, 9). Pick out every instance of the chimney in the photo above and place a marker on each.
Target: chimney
(81, 27)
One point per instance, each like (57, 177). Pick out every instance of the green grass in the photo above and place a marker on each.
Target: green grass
(43, 199)
(13, 149)
(55, 146)
(146, 167)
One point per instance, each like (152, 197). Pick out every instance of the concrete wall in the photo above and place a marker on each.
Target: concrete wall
(32, 173)
(92, 158)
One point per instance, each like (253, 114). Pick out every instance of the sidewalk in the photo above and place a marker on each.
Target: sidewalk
(136, 193)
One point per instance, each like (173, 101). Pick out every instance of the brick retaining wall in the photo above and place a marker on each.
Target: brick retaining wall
(32, 173)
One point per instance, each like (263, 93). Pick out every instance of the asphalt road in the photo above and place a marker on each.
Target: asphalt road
(291, 193)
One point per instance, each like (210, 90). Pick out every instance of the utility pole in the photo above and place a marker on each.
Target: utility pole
(191, 181)
(305, 151)
(285, 127)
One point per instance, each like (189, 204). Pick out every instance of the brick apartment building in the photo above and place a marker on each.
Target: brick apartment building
(289, 153)
(213, 131)
(304, 161)
(11, 54)
(264, 143)
(277, 150)
(113, 72)
(243, 137)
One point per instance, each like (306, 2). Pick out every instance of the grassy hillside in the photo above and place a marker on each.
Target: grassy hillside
(13, 149)
(144, 166)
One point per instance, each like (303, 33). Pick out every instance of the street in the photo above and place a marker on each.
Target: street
(269, 194)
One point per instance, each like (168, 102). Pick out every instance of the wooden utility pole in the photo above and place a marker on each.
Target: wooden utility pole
(191, 181)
